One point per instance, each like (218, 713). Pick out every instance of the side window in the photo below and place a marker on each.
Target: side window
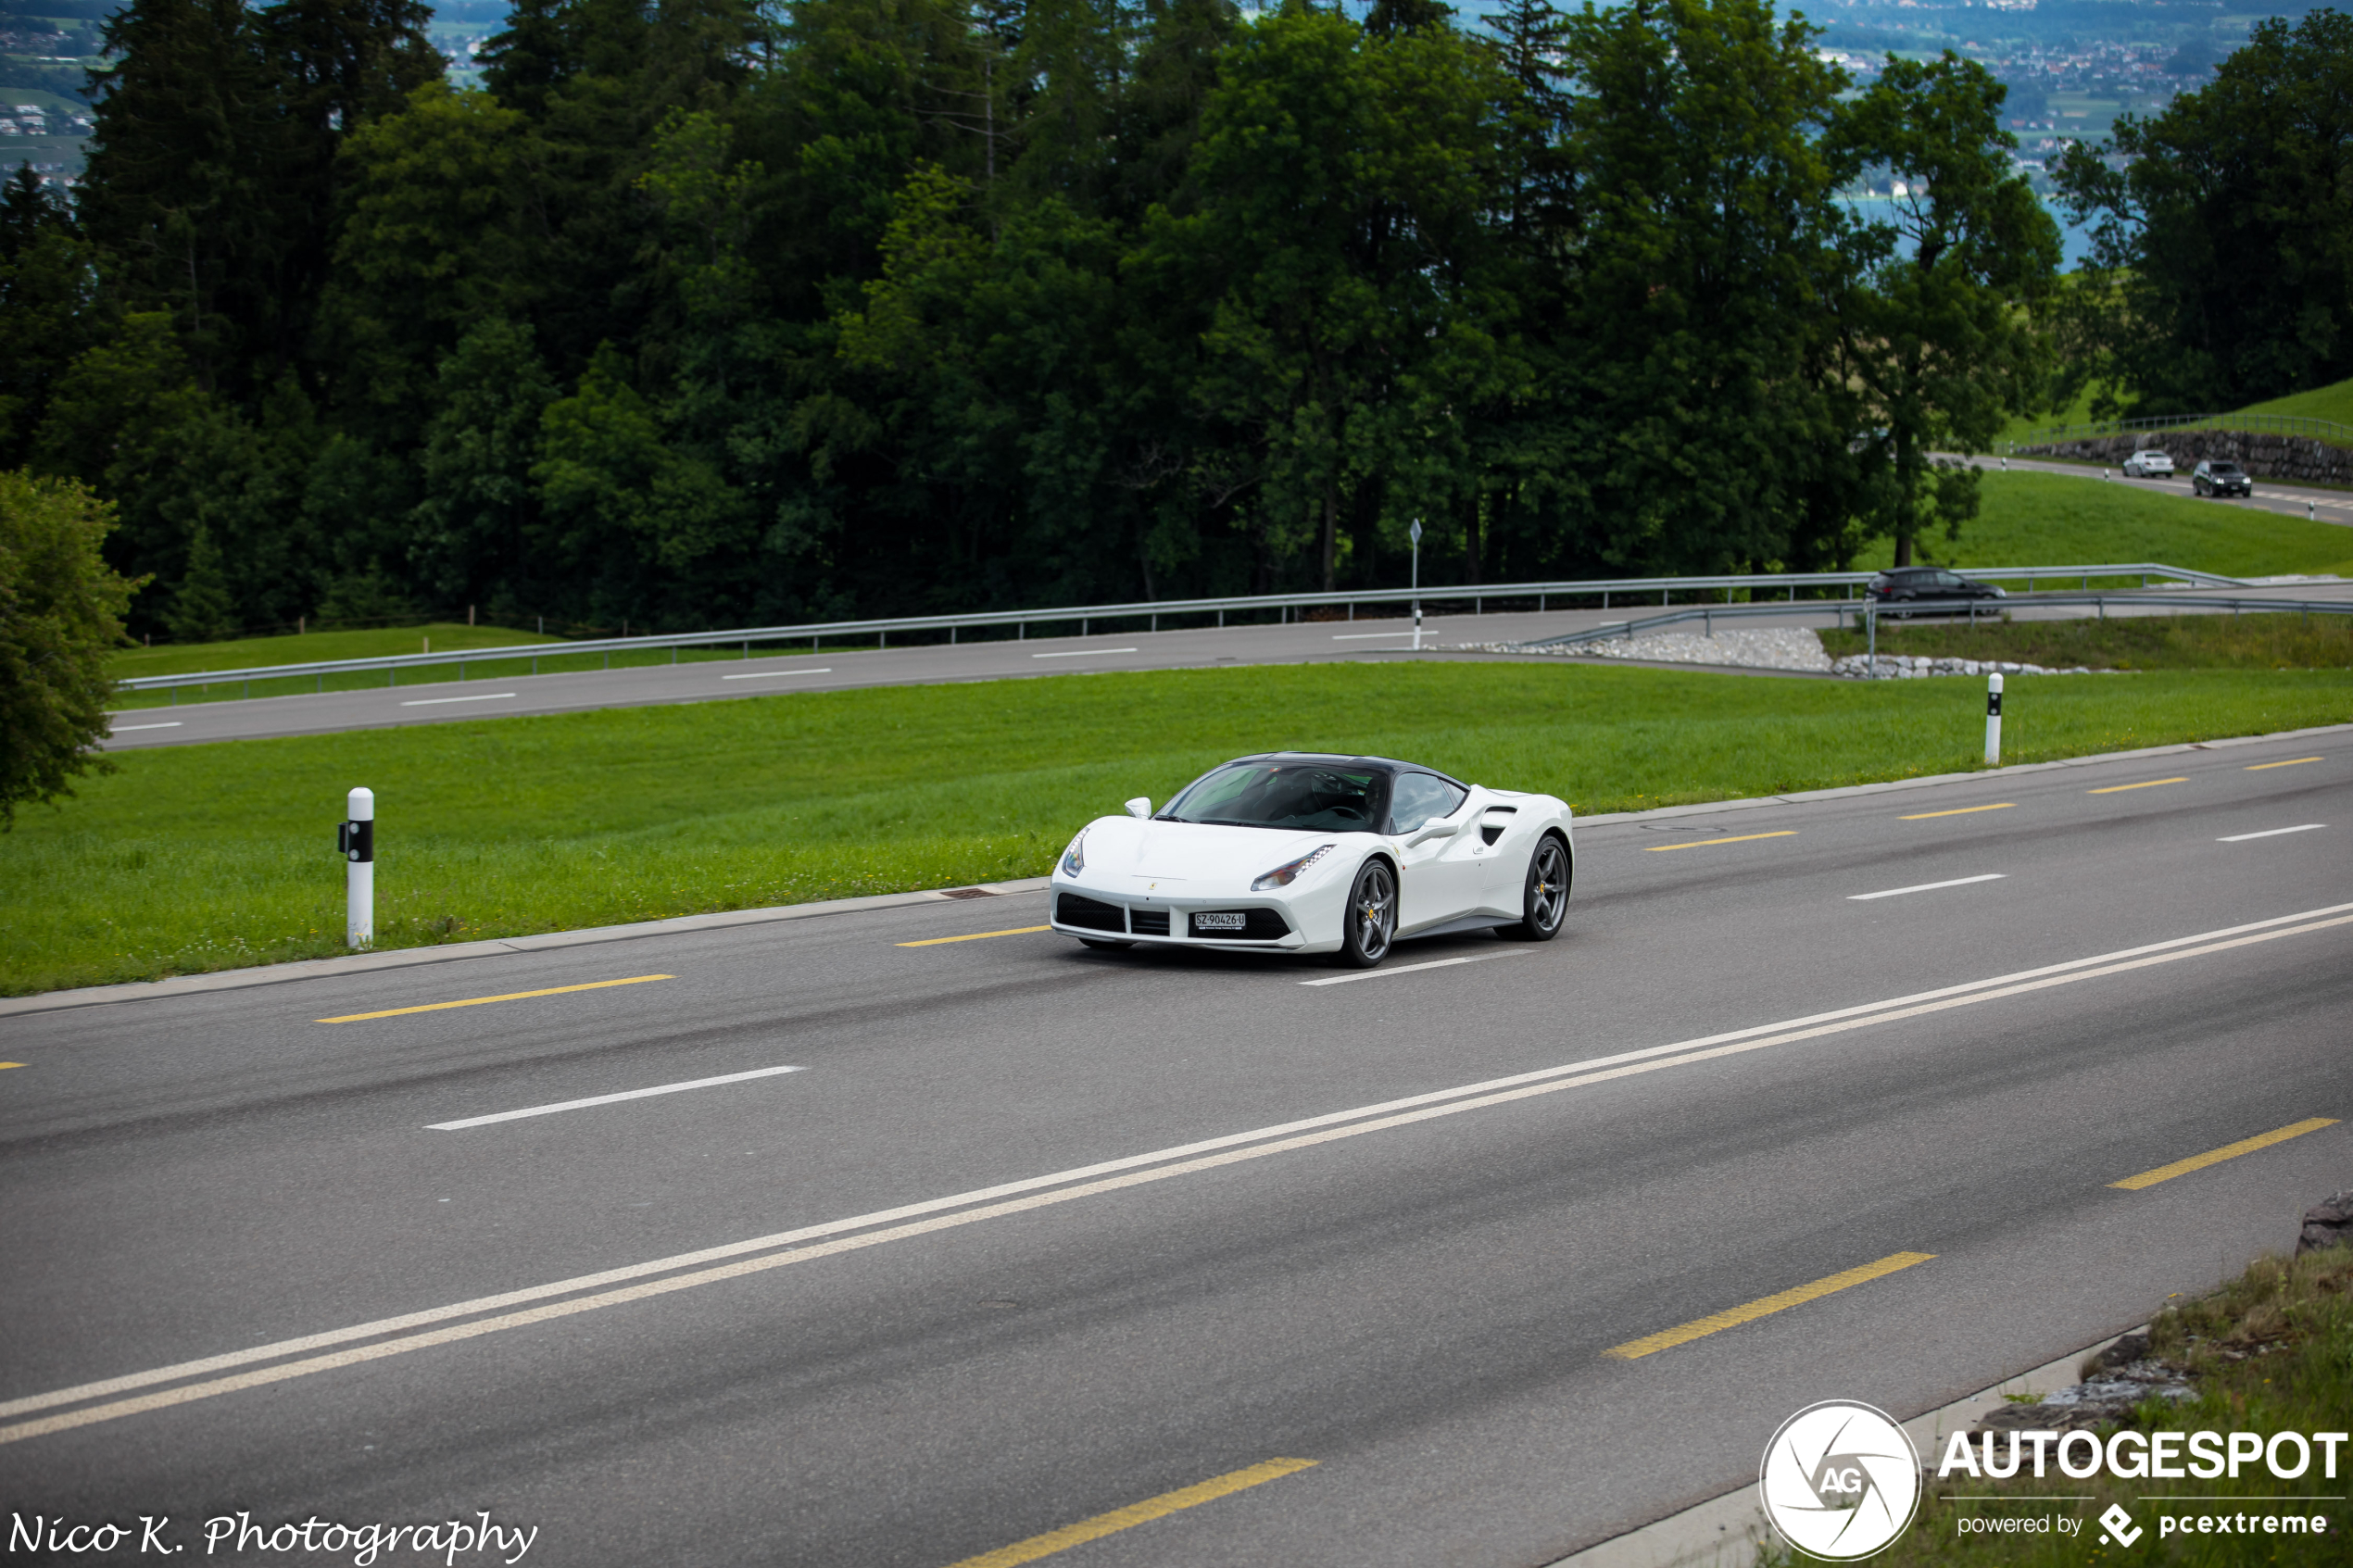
(1416, 799)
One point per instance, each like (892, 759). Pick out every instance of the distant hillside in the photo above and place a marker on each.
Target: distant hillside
(2320, 403)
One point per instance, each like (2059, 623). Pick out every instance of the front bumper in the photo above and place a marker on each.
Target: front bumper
(1267, 922)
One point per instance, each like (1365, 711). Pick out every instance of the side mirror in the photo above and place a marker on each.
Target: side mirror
(1441, 828)
(1139, 807)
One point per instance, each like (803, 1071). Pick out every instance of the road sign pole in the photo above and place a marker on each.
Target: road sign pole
(356, 837)
(1993, 720)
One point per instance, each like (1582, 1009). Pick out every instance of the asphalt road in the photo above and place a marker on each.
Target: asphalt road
(969, 1275)
(445, 699)
(711, 680)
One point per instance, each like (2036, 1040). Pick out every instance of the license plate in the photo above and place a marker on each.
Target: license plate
(1213, 921)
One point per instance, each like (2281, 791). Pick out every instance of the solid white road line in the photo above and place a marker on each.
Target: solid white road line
(609, 1099)
(1927, 887)
(1410, 968)
(1189, 1157)
(2272, 833)
(120, 729)
(1360, 637)
(436, 701)
(779, 675)
(1080, 653)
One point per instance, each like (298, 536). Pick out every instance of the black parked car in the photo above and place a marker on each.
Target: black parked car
(1908, 584)
(2212, 478)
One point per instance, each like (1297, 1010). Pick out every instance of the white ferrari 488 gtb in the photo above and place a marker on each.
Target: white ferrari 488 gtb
(1298, 852)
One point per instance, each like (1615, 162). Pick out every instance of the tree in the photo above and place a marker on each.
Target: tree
(2222, 237)
(1342, 184)
(1703, 268)
(1943, 332)
(473, 533)
(60, 608)
(47, 305)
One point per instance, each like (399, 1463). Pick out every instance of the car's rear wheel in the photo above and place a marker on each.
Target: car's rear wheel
(1101, 946)
(1368, 927)
(1543, 899)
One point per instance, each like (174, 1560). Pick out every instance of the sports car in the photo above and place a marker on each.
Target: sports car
(1301, 852)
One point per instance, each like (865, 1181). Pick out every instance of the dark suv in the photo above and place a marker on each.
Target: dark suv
(2213, 478)
(1908, 584)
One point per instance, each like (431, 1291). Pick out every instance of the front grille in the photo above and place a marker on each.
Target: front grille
(1147, 922)
(1089, 914)
(1258, 925)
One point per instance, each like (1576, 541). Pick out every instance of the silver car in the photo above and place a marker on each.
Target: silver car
(2148, 465)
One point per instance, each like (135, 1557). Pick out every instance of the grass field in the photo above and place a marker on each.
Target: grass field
(2270, 1351)
(2173, 641)
(2058, 519)
(2320, 403)
(196, 857)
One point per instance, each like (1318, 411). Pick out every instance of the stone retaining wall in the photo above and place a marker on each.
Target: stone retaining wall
(2266, 457)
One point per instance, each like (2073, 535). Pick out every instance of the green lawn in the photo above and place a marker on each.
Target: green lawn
(2173, 642)
(208, 857)
(2024, 428)
(2059, 520)
(2320, 403)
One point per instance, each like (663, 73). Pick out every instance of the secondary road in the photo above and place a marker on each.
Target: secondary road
(1031, 1234)
(445, 699)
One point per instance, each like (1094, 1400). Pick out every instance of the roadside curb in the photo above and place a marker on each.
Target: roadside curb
(1724, 1531)
(402, 957)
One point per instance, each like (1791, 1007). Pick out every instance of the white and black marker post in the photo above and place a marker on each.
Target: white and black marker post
(1993, 720)
(357, 840)
(1414, 534)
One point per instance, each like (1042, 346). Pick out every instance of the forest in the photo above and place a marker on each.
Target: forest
(701, 313)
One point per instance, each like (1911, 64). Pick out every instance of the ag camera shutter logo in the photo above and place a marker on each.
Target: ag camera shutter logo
(1840, 1480)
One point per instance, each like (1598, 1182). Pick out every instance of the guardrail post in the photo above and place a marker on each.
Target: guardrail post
(355, 839)
(1993, 720)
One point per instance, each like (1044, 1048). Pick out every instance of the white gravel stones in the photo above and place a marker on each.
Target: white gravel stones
(1910, 666)
(1786, 647)
(1789, 647)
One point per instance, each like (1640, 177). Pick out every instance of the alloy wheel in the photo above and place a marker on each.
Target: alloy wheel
(1372, 912)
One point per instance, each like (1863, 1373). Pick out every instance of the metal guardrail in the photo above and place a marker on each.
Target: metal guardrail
(2330, 431)
(1085, 616)
(1865, 609)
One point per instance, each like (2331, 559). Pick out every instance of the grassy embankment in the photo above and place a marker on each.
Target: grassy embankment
(2335, 402)
(218, 856)
(2058, 519)
(2270, 1351)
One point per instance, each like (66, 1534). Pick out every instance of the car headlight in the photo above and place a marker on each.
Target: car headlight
(1075, 858)
(1287, 872)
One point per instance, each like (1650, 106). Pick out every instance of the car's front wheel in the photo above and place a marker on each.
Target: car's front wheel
(1544, 899)
(1369, 922)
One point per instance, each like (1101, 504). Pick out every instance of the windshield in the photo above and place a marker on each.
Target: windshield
(2226, 468)
(1313, 796)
